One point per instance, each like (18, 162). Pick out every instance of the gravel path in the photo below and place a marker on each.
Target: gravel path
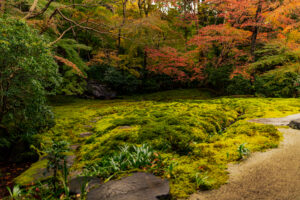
(271, 175)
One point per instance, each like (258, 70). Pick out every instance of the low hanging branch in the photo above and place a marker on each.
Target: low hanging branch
(62, 34)
(75, 24)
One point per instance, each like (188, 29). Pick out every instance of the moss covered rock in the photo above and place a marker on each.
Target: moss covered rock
(37, 172)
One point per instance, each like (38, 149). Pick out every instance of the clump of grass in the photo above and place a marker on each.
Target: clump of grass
(243, 151)
(202, 181)
(15, 193)
(129, 158)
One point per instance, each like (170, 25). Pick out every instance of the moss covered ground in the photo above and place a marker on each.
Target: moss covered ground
(196, 135)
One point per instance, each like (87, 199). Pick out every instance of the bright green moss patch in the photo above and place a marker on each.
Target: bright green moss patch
(196, 137)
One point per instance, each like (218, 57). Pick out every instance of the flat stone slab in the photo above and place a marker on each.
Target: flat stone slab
(125, 127)
(87, 126)
(85, 134)
(139, 186)
(295, 124)
(282, 121)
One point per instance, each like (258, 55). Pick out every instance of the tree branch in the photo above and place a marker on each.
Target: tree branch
(30, 15)
(61, 35)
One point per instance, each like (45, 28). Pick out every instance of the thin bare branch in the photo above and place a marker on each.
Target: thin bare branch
(30, 16)
(32, 8)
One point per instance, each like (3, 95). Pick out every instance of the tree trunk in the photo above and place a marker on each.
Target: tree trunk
(140, 5)
(2, 6)
(124, 2)
(255, 30)
(147, 5)
(145, 59)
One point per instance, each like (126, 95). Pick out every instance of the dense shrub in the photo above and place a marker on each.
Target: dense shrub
(218, 78)
(119, 80)
(28, 73)
(270, 62)
(124, 82)
(276, 84)
(239, 86)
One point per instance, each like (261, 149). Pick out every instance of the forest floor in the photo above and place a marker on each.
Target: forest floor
(270, 175)
(9, 171)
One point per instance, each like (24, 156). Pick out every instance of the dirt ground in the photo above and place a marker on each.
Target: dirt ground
(271, 175)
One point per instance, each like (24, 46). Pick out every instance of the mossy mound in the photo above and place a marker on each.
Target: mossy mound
(198, 138)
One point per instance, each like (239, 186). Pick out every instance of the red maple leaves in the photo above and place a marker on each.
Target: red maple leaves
(171, 62)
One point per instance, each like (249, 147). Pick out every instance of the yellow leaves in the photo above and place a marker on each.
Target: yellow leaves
(294, 35)
(134, 72)
(280, 16)
(4, 42)
(105, 57)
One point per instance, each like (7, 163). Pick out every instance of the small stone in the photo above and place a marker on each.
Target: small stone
(74, 147)
(86, 134)
(295, 124)
(139, 186)
(87, 126)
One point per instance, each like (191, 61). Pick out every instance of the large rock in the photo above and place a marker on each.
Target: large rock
(295, 124)
(76, 184)
(139, 186)
(100, 91)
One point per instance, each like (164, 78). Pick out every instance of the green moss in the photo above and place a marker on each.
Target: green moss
(33, 174)
(201, 136)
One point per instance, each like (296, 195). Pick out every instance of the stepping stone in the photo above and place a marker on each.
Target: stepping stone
(295, 124)
(96, 119)
(75, 184)
(86, 134)
(124, 127)
(139, 186)
(70, 160)
(87, 126)
(74, 147)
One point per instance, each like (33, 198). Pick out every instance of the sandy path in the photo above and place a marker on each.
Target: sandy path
(272, 175)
